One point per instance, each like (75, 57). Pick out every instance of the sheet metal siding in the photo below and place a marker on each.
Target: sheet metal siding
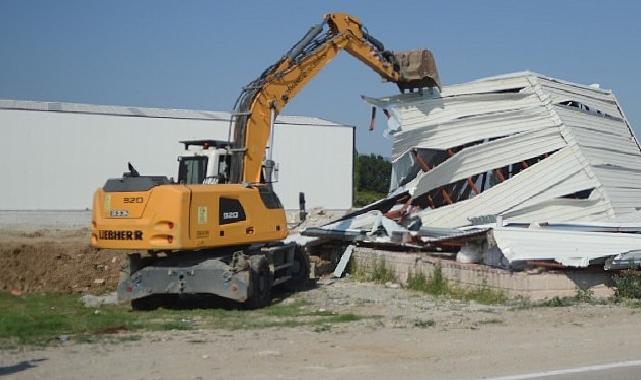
(577, 181)
(598, 156)
(576, 118)
(573, 248)
(561, 210)
(618, 177)
(56, 160)
(508, 195)
(471, 129)
(593, 98)
(431, 112)
(481, 158)
(613, 153)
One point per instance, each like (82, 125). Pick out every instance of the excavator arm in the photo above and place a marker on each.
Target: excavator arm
(263, 99)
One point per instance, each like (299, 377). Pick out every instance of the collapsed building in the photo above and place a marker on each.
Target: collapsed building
(513, 168)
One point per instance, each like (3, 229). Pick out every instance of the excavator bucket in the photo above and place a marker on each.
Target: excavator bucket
(417, 69)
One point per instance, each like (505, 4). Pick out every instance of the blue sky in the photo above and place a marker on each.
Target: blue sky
(198, 54)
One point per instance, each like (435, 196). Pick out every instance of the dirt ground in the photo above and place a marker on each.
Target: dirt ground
(54, 255)
(55, 260)
(404, 334)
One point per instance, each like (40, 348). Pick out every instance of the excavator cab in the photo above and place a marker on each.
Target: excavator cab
(208, 163)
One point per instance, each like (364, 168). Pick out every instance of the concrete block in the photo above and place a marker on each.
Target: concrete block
(531, 284)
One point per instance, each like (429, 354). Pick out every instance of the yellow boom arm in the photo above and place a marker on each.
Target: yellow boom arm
(263, 99)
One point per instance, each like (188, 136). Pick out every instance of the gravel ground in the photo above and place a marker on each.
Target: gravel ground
(404, 334)
(463, 341)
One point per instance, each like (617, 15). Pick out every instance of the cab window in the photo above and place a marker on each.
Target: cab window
(192, 170)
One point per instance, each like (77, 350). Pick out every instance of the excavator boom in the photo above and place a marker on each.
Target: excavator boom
(263, 99)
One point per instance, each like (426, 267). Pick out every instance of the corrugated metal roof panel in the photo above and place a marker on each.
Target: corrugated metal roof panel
(621, 197)
(577, 181)
(557, 85)
(561, 210)
(464, 131)
(605, 141)
(598, 156)
(617, 177)
(487, 85)
(433, 112)
(95, 109)
(576, 118)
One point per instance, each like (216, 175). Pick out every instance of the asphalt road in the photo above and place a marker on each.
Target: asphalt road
(629, 370)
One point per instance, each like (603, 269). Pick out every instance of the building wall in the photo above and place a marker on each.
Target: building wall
(317, 161)
(56, 160)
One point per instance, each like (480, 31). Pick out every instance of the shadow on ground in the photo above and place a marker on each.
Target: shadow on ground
(22, 366)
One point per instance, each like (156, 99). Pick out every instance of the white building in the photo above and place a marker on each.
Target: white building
(53, 156)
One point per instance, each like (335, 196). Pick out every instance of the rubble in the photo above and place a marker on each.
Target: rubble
(92, 301)
(507, 171)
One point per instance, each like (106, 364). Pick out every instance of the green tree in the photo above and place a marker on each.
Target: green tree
(372, 178)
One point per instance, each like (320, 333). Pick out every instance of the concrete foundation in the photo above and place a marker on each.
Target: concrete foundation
(533, 284)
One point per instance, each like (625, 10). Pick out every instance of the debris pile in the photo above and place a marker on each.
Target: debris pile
(508, 171)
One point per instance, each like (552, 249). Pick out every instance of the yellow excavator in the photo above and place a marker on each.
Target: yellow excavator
(219, 228)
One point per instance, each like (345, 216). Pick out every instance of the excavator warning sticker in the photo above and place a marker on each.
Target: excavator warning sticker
(106, 202)
(202, 214)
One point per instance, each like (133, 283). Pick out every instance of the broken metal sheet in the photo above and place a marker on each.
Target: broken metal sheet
(383, 205)
(595, 227)
(471, 129)
(567, 247)
(576, 118)
(627, 260)
(594, 97)
(342, 264)
(481, 158)
(372, 226)
(598, 156)
(300, 239)
(556, 210)
(437, 235)
(507, 196)
(566, 151)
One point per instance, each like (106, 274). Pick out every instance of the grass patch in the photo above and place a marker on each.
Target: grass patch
(558, 302)
(627, 284)
(437, 285)
(380, 274)
(582, 296)
(44, 319)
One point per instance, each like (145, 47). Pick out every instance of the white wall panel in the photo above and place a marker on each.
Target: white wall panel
(56, 160)
(316, 161)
